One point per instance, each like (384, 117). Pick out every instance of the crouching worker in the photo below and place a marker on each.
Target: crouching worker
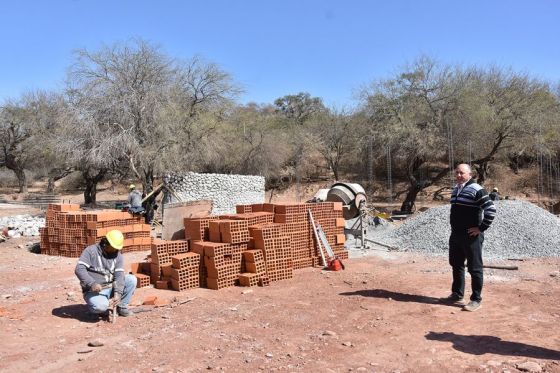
(100, 270)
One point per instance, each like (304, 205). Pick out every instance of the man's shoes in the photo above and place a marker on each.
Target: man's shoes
(452, 298)
(472, 306)
(124, 312)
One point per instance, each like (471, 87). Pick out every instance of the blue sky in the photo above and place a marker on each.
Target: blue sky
(274, 48)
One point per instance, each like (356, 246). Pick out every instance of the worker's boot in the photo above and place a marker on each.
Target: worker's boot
(453, 298)
(124, 312)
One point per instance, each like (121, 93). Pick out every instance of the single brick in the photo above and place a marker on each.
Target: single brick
(160, 284)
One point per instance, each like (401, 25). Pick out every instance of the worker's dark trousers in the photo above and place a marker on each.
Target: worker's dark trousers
(461, 248)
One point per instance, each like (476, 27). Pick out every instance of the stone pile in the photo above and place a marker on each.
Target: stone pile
(520, 230)
(225, 191)
(22, 225)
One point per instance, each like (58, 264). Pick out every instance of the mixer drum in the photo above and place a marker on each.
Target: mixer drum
(351, 195)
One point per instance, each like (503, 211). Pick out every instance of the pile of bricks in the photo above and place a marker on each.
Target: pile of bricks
(167, 264)
(69, 230)
(263, 242)
(222, 262)
(185, 271)
(255, 269)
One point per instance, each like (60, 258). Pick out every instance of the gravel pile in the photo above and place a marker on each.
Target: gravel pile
(520, 230)
(22, 225)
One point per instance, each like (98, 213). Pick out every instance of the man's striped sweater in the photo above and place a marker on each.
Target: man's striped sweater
(471, 207)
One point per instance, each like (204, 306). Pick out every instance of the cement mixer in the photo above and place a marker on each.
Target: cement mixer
(353, 199)
(351, 195)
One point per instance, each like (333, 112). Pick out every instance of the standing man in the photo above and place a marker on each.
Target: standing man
(472, 212)
(100, 270)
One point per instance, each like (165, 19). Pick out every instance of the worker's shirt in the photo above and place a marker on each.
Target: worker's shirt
(135, 199)
(96, 266)
(470, 207)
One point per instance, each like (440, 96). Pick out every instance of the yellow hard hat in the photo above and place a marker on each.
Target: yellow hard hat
(115, 238)
(495, 189)
(132, 186)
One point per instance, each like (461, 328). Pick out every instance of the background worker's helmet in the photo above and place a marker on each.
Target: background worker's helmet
(132, 186)
(115, 239)
(495, 190)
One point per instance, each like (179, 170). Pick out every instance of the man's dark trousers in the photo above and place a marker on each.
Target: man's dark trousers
(462, 247)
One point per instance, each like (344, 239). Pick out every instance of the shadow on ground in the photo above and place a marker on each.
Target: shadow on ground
(75, 311)
(487, 344)
(399, 297)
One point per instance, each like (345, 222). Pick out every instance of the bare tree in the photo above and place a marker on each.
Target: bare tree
(151, 102)
(25, 126)
(410, 113)
(336, 138)
(89, 146)
(247, 142)
(501, 110)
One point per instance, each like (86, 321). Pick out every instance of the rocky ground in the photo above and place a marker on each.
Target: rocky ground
(379, 315)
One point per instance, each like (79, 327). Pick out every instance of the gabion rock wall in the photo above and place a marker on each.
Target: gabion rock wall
(225, 191)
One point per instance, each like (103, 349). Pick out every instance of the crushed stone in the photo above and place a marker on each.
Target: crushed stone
(520, 230)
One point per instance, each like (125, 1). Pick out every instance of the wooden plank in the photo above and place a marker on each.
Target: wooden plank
(174, 213)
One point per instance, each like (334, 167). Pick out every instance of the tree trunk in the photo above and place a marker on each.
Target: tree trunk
(22, 180)
(482, 172)
(335, 171)
(90, 193)
(150, 204)
(408, 205)
(56, 174)
(12, 163)
(50, 185)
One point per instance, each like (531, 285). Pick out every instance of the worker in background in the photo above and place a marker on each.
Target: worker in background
(100, 270)
(472, 212)
(494, 195)
(135, 200)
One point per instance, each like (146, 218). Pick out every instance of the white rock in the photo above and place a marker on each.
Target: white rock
(529, 366)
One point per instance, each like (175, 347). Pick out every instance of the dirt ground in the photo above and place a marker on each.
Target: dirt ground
(381, 314)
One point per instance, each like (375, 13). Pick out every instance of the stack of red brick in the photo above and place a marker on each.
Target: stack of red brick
(263, 242)
(173, 266)
(68, 230)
